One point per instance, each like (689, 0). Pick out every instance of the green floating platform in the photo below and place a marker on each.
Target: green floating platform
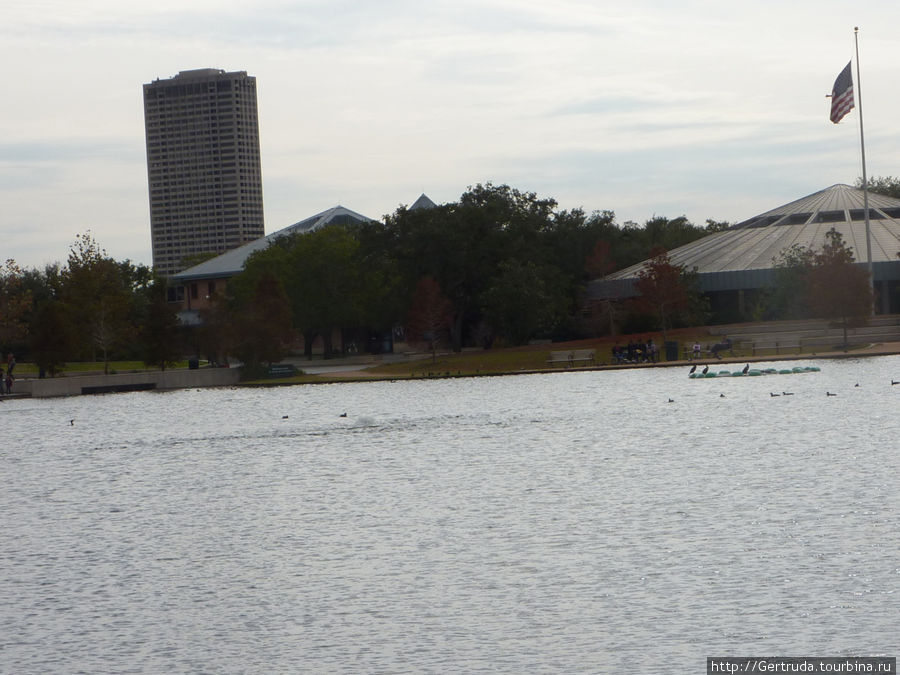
(755, 373)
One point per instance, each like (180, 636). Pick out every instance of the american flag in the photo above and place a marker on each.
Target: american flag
(842, 95)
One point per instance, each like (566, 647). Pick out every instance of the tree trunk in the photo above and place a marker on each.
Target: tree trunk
(456, 332)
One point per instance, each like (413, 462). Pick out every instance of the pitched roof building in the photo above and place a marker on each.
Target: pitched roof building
(742, 258)
(202, 281)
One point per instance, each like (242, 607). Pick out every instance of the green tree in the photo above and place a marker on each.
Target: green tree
(789, 295)
(661, 232)
(15, 303)
(882, 185)
(716, 225)
(324, 281)
(262, 324)
(214, 335)
(52, 337)
(159, 332)
(839, 289)
(461, 245)
(524, 300)
(99, 292)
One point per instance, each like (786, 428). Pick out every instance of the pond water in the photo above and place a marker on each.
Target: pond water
(577, 522)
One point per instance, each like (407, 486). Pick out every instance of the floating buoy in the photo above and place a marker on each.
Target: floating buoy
(706, 373)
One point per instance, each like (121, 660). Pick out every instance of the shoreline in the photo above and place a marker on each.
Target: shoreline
(371, 374)
(339, 371)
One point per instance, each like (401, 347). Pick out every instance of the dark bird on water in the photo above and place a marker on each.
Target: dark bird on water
(746, 369)
(894, 382)
(705, 370)
(693, 368)
(343, 414)
(671, 400)
(773, 394)
(787, 393)
(721, 395)
(71, 423)
(828, 393)
(284, 417)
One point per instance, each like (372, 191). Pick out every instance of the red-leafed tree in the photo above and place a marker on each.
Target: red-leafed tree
(430, 315)
(600, 263)
(661, 288)
(597, 265)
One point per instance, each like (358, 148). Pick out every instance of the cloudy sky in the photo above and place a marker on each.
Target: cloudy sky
(647, 107)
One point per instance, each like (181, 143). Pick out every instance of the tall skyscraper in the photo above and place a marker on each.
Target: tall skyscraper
(203, 165)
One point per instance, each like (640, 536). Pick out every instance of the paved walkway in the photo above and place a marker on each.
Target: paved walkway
(358, 365)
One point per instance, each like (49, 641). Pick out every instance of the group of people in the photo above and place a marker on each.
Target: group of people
(636, 352)
(7, 378)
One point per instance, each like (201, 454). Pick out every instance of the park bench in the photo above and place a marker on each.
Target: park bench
(570, 357)
(709, 351)
(282, 370)
(778, 345)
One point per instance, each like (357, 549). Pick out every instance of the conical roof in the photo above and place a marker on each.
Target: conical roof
(232, 262)
(744, 255)
(756, 242)
(423, 202)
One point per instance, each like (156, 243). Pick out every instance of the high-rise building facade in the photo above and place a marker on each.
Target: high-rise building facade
(203, 165)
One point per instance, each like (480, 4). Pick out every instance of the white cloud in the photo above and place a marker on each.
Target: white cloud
(711, 110)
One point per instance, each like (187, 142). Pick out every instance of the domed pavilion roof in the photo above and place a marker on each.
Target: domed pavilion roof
(743, 255)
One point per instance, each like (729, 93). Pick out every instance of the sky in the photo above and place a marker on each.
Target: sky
(709, 110)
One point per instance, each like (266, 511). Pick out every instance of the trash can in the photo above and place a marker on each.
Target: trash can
(194, 363)
(671, 350)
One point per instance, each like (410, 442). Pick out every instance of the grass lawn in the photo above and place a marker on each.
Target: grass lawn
(93, 367)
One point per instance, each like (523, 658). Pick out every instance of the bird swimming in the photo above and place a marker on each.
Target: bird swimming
(828, 393)
(787, 393)
(773, 394)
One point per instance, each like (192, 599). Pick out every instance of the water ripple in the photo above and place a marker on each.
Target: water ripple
(562, 523)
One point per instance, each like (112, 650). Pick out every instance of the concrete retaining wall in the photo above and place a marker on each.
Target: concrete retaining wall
(154, 379)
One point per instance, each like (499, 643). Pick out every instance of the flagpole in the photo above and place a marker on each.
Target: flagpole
(865, 180)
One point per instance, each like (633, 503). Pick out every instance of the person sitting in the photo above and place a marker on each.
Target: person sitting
(720, 347)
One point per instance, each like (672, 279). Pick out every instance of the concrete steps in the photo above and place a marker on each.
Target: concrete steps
(813, 332)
